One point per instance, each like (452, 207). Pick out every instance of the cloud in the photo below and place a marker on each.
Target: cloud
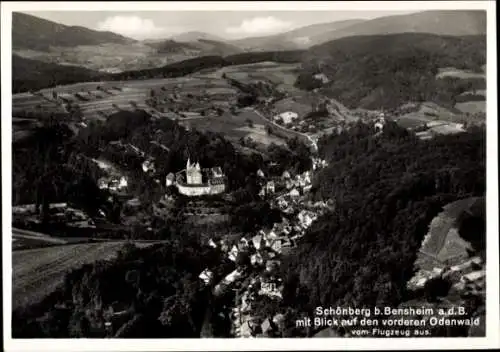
(260, 25)
(136, 27)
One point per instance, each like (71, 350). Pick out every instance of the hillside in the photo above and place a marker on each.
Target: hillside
(34, 75)
(194, 36)
(200, 47)
(449, 22)
(171, 46)
(387, 189)
(299, 38)
(386, 71)
(30, 32)
(30, 74)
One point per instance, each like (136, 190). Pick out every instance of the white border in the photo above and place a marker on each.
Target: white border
(492, 287)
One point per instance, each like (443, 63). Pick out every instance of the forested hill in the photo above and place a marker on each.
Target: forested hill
(387, 189)
(30, 32)
(30, 74)
(33, 75)
(385, 71)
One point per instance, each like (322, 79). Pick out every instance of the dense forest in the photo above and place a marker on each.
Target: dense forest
(48, 168)
(387, 71)
(153, 292)
(387, 188)
(31, 75)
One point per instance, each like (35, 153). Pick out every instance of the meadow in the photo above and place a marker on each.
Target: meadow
(38, 272)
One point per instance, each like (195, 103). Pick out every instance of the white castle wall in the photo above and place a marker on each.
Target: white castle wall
(201, 190)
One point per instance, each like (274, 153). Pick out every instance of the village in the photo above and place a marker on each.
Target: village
(256, 277)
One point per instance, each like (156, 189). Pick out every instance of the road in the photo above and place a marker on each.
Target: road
(25, 234)
(304, 135)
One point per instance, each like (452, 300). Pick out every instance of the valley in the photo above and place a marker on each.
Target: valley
(195, 186)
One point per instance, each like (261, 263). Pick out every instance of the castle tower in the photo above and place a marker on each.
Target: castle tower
(193, 173)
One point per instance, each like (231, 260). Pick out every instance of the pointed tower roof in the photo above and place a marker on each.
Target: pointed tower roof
(188, 165)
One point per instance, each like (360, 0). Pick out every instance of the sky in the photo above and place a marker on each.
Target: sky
(224, 24)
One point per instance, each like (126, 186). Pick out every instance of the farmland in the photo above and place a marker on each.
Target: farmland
(462, 74)
(37, 272)
(283, 76)
(107, 57)
(234, 127)
(442, 244)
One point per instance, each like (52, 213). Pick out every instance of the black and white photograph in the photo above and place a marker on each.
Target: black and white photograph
(249, 173)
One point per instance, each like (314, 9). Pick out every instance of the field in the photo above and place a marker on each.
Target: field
(107, 57)
(454, 72)
(472, 107)
(234, 127)
(37, 272)
(442, 119)
(442, 243)
(97, 100)
(472, 101)
(283, 76)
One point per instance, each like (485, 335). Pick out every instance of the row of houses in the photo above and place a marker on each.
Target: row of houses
(469, 274)
(296, 186)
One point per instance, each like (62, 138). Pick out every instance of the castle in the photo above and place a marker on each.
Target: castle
(190, 180)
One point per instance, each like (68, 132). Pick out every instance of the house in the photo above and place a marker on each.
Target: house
(217, 172)
(271, 288)
(279, 243)
(224, 246)
(148, 166)
(279, 320)
(233, 254)
(257, 241)
(272, 264)
(207, 276)
(285, 175)
(113, 183)
(294, 193)
(260, 173)
(267, 327)
(270, 187)
(170, 179)
(232, 277)
(212, 244)
(270, 237)
(286, 117)
(256, 259)
(262, 193)
(321, 77)
(243, 244)
(289, 184)
(474, 276)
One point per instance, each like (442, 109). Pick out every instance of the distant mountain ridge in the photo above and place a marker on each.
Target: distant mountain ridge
(194, 36)
(34, 33)
(447, 22)
(201, 47)
(295, 39)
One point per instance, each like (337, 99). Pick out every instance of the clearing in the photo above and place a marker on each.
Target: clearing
(38, 272)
